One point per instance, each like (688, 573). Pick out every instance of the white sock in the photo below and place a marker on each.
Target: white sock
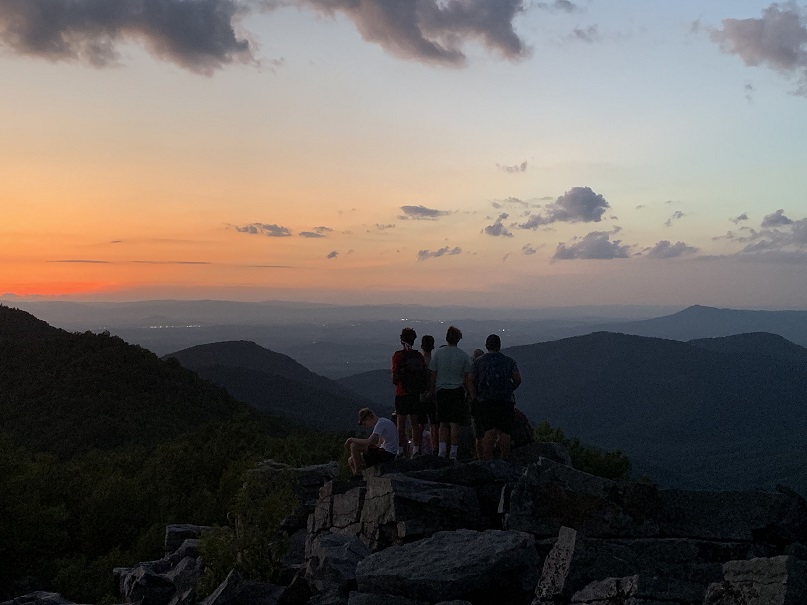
(442, 451)
(454, 449)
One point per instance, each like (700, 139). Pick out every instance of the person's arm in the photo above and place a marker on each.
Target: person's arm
(516, 378)
(371, 440)
(470, 387)
(395, 377)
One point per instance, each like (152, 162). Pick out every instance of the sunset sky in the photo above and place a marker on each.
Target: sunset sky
(488, 152)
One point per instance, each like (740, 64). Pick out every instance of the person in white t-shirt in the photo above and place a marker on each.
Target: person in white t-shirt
(380, 446)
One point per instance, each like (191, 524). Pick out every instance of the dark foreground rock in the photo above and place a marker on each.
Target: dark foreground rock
(463, 564)
(531, 530)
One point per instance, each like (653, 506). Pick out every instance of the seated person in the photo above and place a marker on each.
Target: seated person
(380, 446)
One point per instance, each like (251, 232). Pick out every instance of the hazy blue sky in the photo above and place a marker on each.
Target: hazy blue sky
(486, 151)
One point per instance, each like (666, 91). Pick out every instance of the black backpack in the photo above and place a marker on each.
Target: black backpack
(412, 372)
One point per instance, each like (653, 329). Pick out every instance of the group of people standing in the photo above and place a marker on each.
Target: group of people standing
(441, 388)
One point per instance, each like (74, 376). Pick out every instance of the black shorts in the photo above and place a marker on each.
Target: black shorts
(376, 455)
(427, 411)
(406, 404)
(451, 405)
(497, 415)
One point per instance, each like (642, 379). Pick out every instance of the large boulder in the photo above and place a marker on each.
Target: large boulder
(778, 580)
(576, 561)
(640, 590)
(484, 567)
(39, 597)
(394, 508)
(551, 495)
(332, 562)
(176, 534)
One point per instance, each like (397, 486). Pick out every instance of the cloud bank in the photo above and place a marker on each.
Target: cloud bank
(777, 40)
(597, 245)
(198, 35)
(264, 229)
(578, 205)
(444, 251)
(422, 213)
(432, 31)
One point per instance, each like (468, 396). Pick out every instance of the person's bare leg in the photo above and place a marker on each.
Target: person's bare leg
(455, 433)
(504, 445)
(445, 429)
(355, 461)
(401, 421)
(488, 441)
(417, 433)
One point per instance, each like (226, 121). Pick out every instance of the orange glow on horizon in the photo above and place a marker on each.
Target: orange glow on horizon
(56, 289)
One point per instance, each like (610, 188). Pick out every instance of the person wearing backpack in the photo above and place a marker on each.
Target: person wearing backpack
(496, 377)
(410, 378)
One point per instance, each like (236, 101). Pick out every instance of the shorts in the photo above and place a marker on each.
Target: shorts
(406, 404)
(377, 455)
(497, 415)
(451, 405)
(427, 411)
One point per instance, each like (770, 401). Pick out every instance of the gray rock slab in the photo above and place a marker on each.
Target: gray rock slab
(551, 495)
(531, 453)
(333, 561)
(176, 534)
(778, 580)
(363, 598)
(461, 564)
(639, 590)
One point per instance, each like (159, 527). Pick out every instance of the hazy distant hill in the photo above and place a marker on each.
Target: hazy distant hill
(275, 383)
(708, 322)
(375, 385)
(66, 393)
(717, 418)
(757, 343)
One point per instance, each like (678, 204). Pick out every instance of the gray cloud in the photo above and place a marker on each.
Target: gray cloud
(381, 227)
(739, 219)
(322, 230)
(497, 229)
(559, 5)
(578, 205)
(332, 254)
(444, 251)
(664, 249)
(422, 213)
(199, 35)
(589, 35)
(310, 234)
(515, 168)
(264, 229)
(528, 250)
(676, 216)
(432, 31)
(778, 40)
(597, 245)
(776, 219)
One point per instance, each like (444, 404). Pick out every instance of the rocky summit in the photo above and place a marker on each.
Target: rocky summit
(532, 531)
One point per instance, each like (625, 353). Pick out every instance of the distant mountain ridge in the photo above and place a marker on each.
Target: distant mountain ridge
(67, 393)
(274, 382)
(698, 409)
(699, 321)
